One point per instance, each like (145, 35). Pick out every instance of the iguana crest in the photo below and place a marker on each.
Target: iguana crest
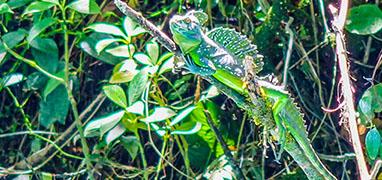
(237, 45)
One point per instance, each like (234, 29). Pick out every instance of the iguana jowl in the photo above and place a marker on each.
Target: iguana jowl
(220, 55)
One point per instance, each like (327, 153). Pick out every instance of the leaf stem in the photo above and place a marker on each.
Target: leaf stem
(68, 86)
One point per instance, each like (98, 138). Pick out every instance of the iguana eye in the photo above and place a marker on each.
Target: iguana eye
(188, 20)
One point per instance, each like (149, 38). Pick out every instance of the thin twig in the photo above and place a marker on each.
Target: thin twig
(221, 141)
(289, 52)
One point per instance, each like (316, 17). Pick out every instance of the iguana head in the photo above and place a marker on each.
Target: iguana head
(186, 30)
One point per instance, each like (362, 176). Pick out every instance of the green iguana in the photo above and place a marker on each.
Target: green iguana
(221, 55)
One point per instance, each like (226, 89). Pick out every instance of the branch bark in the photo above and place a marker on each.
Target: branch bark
(346, 88)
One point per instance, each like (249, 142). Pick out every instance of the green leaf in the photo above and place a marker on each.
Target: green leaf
(107, 29)
(99, 126)
(159, 114)
(39, 27)
(137, 108)
(137, 86)
(52, 84)
(116, 94)
(122, 77)
(373, 141)
(168, 65)
(45, 53)
(125, 51)
(131, 28)
(211, 93)
(11, 79)
(52, 1)
(152, 49)
(364, 19)
(124, 72)
(131, 144)
(11, 39)
(35, 81)
(142, 58)
(89, 43)
(115, 133)
(17, 3)
(370, 103)
(85, 6)
(37, 6)
(102, 44)
(4, 8)
(184, 113)
(54, 108)
(193, 130)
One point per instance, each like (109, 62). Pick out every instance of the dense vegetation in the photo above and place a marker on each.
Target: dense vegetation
(87, 92)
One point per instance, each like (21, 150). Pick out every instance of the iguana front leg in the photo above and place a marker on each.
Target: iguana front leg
(195, 69)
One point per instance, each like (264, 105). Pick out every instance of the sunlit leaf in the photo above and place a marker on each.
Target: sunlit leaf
(85, 6)
(167, 66)
(152, 49)
(160, 131)
(372, 142)
(37, 6)
(4, 8)
(126, 51)
(131, 28)
(137, 108)
(11, 79)
(142, 58)
(159, 114)
(194, 130)
(102, 44)
(107, 29)
(122, 77)
(116, 94)
(52, 1)
(88, 46)
(137, 86)
(39, 27)
(211, 93)
(114, 133)
(99, 126)
(184, 113)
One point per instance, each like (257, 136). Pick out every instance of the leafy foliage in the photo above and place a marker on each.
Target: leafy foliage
(64, 62)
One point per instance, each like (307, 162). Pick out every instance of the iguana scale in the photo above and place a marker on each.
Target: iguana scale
(221, 55)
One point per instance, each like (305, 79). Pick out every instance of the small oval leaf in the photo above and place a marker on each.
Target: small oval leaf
(194, 130)
(107, 29)
(116, 94)
(122, 51)
(364, 19)
(85, 6)
(100, 126)
(40, 27)
(182, 115)
(159, 114)
(142, 58)
(137, 108)
(373, 141)
(37, 6)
